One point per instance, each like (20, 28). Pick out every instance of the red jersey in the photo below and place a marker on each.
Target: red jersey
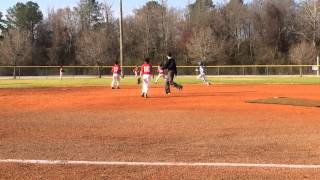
(116, 69)
(160, 70)
(136, 69)
(146, 69)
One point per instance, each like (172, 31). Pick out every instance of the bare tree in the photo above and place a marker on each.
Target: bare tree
(203, 45)
(303, 53)
(15, 48)
(311, 18)
(63, 26)
(97, 48)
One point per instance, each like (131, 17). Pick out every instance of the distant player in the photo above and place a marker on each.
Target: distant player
(136, 71)
(171, 66)
(161, 73)
(145, 74)
(116, 71)
(61, 71)
(202, 75)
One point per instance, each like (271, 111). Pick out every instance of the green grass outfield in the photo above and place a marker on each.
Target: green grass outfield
(78, 82)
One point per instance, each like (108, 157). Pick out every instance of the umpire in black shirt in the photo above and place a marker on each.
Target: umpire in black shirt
(171, 66)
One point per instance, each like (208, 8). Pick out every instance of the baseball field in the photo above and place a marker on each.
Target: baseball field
(238, 128)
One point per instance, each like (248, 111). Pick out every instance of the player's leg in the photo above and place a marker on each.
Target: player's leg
(204, 79)
(158, 77)
(199, 76)
(176, 85)
(147, 83)
(113, 81)
(143, 88)
(169, 81)
(118, 82)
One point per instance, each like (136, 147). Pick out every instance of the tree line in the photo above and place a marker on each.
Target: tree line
(231, 33)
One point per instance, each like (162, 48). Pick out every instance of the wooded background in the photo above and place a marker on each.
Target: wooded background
(232, 33)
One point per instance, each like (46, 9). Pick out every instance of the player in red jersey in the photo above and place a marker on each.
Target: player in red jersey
(161, 73)
(145, 74)
(116, 70)
(136, 71)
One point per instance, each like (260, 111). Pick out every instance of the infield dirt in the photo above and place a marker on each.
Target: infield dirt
(198, 124)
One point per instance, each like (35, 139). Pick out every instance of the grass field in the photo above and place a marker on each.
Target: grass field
(42, 83)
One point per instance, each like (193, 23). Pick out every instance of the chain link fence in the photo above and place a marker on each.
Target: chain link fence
(105, 71)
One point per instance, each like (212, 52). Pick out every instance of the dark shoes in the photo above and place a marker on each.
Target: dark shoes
(145, 95)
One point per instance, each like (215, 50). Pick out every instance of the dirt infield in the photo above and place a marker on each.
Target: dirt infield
(198, 124)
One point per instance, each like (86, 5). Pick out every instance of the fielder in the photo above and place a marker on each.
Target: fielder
(61, 72)
(161, 73)
(145, 74)
(202, 75)
(116, 70)
(136, 71)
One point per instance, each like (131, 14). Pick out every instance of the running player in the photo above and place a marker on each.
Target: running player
(145, 74)
(161, 73)
(116, 70)
(202, 75)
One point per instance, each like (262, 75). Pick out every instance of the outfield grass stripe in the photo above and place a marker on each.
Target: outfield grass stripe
(167, 164)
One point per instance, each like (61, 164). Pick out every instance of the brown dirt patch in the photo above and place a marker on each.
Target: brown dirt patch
(287, 101)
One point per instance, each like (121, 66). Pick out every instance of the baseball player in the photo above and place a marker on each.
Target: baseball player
(202, 75)
(61, 71)
(136, 71)
(116, 70)
(161, 73)
(145, 74)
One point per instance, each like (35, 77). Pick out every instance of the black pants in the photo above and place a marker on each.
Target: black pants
(170, 82)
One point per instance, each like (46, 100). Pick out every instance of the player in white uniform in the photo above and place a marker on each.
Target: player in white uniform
(145, 74)
(202, 74)
(61, 72)
(161, 73)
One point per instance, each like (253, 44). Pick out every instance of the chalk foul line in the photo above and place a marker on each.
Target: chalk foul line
(174, 164)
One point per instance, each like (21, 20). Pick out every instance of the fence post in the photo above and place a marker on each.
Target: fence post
(267, 70)
(19, 73)
(218, 71)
